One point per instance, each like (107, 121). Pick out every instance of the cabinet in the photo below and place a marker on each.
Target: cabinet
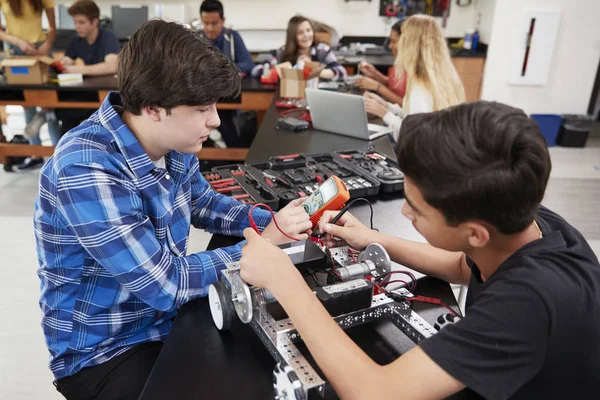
(470, 71)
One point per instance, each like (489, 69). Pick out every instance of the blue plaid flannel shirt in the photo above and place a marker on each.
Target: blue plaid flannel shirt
(112, 234)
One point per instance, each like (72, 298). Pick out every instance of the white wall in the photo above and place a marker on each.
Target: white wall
(484, 13)
(353, 18)
(574, 62)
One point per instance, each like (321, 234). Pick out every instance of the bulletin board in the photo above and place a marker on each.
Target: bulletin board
(406, 8)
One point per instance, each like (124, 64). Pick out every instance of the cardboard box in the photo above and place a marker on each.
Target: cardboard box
(323, 37)
(26, 70)
(292, 81)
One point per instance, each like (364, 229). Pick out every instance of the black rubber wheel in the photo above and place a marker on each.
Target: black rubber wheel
(221, 307)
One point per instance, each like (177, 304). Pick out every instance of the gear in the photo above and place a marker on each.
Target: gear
(241, 298)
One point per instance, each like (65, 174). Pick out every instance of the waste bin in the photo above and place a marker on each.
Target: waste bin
(575, 130)
(549, 125)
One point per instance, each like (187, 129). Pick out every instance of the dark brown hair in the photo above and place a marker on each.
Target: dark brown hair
(290, 50)
(17, 6)
(397, 27)
(87, 8)
(166, 65)
(481, 161)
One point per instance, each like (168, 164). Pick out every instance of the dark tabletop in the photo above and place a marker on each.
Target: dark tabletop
(387, 60)
(197, 361)
(270, 141)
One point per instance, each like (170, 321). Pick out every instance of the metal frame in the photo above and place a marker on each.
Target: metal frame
(279, 337)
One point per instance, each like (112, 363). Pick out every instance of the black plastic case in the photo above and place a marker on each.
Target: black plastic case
(234, 180)
(359, 184)
(298, 175)
(377, 165)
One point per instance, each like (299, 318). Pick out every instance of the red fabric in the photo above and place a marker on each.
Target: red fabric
(397, 84)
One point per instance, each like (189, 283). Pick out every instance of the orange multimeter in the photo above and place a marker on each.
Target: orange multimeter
(331, 195)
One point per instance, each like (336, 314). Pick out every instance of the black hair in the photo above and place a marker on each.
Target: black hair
(477, 161)
(209, 6)
(397, 27)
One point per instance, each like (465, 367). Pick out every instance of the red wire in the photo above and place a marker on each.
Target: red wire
(411, 287)
(378, 287)
(433, 300)
(334, 269)
(396, 281)
(255, 227)
(291, 111)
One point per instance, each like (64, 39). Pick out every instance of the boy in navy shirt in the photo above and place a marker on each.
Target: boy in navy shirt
(97, 47)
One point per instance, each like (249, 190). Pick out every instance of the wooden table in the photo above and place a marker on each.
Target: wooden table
(91, 92)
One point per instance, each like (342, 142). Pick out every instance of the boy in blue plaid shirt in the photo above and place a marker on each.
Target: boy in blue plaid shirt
(114, 211)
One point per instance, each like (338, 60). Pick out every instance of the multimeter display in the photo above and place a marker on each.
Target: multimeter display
(320, 197)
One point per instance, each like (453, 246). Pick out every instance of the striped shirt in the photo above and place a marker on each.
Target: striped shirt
(112, 233)
(321, 53)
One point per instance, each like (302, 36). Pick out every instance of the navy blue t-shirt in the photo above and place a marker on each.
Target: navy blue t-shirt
(106, 43)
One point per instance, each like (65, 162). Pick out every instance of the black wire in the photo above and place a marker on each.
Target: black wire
(348, 205)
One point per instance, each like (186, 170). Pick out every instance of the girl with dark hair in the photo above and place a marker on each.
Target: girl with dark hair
(301, 46)
(391, 87)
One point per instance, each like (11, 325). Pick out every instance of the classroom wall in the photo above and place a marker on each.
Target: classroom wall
(574, 62)
(484, 14)
(353, 18)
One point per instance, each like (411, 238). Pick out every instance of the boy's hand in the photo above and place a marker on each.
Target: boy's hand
(73, 69)
(66, 61)
(348, 228)
(293, 220)
(266, 265)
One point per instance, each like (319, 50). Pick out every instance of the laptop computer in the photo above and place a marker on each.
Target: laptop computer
(342, 113)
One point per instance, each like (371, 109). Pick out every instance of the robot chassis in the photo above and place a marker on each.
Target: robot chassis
(294, 378)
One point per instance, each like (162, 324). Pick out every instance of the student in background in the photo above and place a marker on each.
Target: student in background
(432, 82)
(24, 36)
(391, 87)
(300, 46)
(231, 44)
(227, 40)
(97, 47)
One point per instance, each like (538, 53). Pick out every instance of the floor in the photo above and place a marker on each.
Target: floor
(573, 192)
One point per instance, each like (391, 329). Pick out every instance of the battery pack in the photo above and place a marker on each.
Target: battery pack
(344, 297)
